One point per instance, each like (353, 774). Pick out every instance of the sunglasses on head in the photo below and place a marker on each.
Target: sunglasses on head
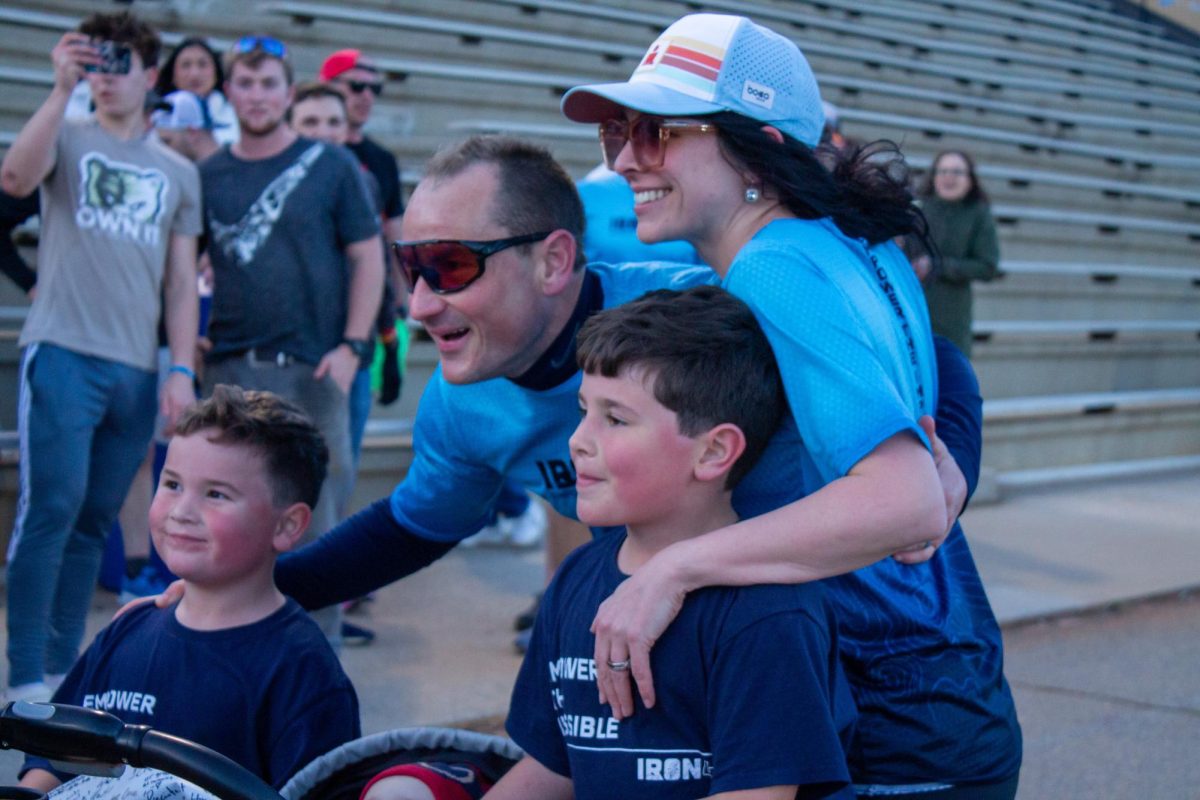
(451, 265)
(267, 44)
(647, 135)
(358, 87)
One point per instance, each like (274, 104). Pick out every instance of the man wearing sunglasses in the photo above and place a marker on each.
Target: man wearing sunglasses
(120, 215)
(360, 82)
(297, 264)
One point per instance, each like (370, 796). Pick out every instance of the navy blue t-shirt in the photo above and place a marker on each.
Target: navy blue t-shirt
(750, 692)
(270, 695)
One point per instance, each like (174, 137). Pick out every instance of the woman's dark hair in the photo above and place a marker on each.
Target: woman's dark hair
(865, 190)
(166, 76)
(975, 195)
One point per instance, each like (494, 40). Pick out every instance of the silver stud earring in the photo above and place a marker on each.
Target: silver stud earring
(753, 195)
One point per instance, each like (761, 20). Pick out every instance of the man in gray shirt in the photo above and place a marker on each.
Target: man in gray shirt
(120, 215)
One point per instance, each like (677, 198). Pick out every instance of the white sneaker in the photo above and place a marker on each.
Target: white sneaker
(31, 692)
(524, 530)
(528, 529)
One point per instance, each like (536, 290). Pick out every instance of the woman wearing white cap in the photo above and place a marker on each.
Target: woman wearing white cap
(715, 132)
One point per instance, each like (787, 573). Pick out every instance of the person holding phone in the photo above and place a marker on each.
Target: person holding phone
(120, 216)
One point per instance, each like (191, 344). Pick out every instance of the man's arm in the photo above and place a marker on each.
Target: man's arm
(366, 287)
(182, 313)
(530, 779)
(362, 553)
(31, 156)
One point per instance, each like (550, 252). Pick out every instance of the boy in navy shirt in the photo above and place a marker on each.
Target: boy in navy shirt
(680, 395)
(234, 665)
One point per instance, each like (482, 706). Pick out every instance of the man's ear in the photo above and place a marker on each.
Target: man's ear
(557, 265)
(291, 525)
(722, 446)
(151, 78)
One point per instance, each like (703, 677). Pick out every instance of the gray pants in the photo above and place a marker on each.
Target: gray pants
(329, 409)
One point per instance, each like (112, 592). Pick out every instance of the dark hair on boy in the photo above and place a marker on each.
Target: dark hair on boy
(706, 359)
(314, 89)
(536, 193)
(291, 447)
(124, 28)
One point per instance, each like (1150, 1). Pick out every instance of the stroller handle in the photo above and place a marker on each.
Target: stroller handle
(73, 735)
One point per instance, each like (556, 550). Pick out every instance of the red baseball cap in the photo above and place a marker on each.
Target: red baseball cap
(344, 61)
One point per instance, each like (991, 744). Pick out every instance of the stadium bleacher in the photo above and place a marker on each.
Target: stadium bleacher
(1084, 122)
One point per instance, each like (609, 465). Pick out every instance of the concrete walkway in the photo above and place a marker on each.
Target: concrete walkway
(444, 649)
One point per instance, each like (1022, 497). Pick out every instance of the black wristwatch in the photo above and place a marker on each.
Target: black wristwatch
(359, 347)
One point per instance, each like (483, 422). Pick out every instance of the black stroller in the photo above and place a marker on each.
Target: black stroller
(96, 743)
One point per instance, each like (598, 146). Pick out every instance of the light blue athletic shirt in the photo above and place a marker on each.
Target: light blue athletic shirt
(468, 438)
(851, 336)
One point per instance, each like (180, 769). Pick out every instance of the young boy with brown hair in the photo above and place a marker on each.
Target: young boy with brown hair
(234, 665)
(679, 397)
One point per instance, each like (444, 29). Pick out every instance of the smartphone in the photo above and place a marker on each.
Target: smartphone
(114, 58)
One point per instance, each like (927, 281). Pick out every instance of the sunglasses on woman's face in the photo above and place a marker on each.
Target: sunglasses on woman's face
(647, 135)
(267, 44)
(451, 265)
(358, 87)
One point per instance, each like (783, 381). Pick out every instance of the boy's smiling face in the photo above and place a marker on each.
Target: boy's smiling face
(632, 463)
(213, 518)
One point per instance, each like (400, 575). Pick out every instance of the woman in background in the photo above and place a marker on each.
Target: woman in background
(962, 229)
(195, 67)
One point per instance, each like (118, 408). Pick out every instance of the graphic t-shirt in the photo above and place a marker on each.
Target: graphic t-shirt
(278, 228)
(270, 695)
(109, 208)
(749, 692)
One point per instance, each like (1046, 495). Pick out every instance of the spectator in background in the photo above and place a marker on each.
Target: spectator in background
(297, 264)
(118, 245)
(318, 111)
(964, 233)
(360, 82)
(195, 67)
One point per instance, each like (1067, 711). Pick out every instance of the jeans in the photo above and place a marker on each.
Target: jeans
(84, 424)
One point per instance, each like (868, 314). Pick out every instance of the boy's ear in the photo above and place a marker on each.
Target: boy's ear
(557, 265)
(723, 445)
(290, 526)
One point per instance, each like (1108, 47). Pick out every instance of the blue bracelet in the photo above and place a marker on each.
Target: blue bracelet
(181, 369)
